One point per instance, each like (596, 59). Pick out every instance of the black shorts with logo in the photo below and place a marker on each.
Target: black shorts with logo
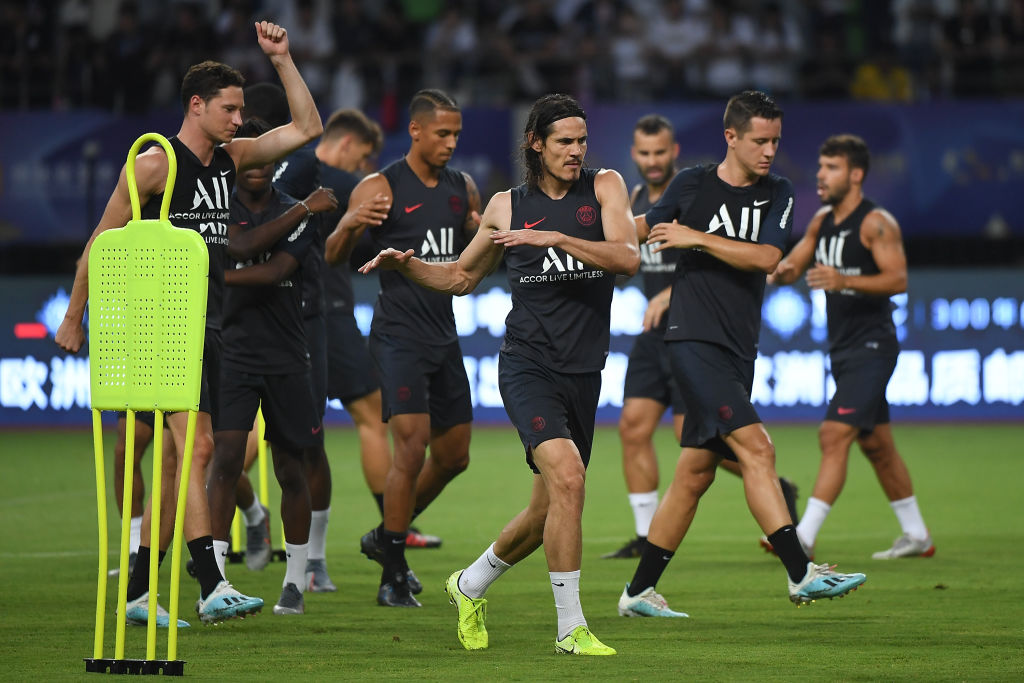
(861, 380)
(649, 373)
(291, 417)
(421, 378)
(350, 370)
(716, 385)
(544, 404)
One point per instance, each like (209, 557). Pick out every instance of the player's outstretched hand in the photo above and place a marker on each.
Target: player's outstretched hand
(826, 278)
(672, 235)
(322, 199)
(70, 336)
(387, 259)
(273, 39)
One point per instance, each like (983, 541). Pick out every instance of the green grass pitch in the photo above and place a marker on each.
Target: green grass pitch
(957, 616)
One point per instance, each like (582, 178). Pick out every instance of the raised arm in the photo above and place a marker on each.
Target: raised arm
(799, 259)
(480, 257)
(305, 124)
(368, 206)
(880, 233)
(150, 177)
(619, 253)
(244, 244)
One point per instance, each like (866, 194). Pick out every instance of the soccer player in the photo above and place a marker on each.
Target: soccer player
(858, 258)
(730, 220)
(565, 234)
(208, 159)
(266, 361)
(426, 396)
(649, 388)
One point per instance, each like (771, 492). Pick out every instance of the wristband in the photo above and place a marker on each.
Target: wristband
(304, 205)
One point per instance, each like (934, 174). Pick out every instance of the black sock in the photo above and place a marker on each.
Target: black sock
(379, 498)
(205, 562)
(653, 561)
(394, 555)
(138, 582)
(787, 547)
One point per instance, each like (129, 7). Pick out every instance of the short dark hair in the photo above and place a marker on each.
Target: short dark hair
(543, 114)
(850, 146)
(252, 128)
(207, 79)
(430, 100)
(352, 121)
(652, 124)
(267, 101)
(748, 104)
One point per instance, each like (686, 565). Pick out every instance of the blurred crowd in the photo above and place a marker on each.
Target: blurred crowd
(129, 56)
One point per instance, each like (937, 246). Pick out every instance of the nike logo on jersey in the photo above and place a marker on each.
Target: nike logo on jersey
(223, 173)
(316, 430)
(410, 209)
(846, 411)
(527, 226)
(763, 201)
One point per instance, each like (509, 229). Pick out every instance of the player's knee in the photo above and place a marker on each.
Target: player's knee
(566, 483)
(202, 451)
(454, 463)
(290, 473)
(874, 448)
(632, 430)
(833, 438)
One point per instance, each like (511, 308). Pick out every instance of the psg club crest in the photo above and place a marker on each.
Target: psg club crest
(538, 424)
(456, 204)
(586, 215)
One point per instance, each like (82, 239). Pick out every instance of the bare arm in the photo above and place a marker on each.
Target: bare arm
(656, 308)
(643, 231)
(880, 233)
(799, 259)
(244, 244)
(150, 177)
(477, 260)
(368, 205)
(619, 253)
(280, 266)
(741, 255)
(472, 223)
(305, 124)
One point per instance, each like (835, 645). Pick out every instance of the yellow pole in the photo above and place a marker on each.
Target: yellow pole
(179, 524)
(101, 521)
(154, 532)
(126, 518)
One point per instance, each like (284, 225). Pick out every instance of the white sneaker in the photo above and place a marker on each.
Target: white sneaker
(226, 603)
(821, 582)
(645, 604)
(905, 546)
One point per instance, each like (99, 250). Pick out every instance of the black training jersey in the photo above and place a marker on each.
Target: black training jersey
(337, 279)
(561, 307)
(429, 220)
(855, 320)
(298, 175)
(201, 201)
(263, 330)
(711, 300)
(657, 269)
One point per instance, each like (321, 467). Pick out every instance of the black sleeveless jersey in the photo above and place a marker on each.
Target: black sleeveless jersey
(855, 320)
(297, 175)
(711, 300)
(201, 201)
(263, 330)
(430, 221)
(658, 270)
(561, 308)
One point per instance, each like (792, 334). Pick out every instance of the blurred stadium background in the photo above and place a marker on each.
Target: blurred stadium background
(936, 87)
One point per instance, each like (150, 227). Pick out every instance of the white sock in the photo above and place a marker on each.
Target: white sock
(810, 524)
(220, 551)
(485, 570)
(318, 534)
(909, 516)
(296, 569)
(644, 506)
(566, 587)
(254, 513)
(135, 534)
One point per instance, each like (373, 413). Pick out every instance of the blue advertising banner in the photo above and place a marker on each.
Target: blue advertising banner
(943, 169)
(961, 332)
